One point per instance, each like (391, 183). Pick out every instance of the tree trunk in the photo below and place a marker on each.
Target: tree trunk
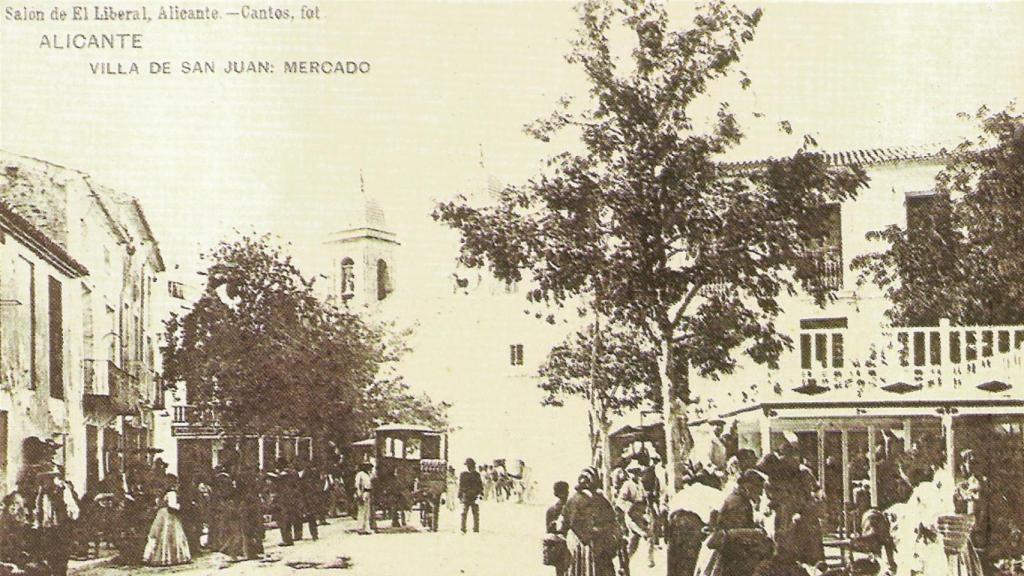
(601, 457)
(591, 432)
(604, 427)
(678, 441)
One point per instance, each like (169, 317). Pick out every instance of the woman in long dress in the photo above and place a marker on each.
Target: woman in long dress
(593, 532)
(167, 544)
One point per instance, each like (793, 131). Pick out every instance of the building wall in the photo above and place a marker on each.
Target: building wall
(110, 313)
(26, 396)
(863, 306)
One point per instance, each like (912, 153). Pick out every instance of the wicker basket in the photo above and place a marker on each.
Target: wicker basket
(956, 531)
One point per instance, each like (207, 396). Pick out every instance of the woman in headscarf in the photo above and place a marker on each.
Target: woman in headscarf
(593, 531)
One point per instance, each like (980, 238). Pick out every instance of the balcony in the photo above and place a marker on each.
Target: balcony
(828, 264)
(150, 387)
(195, 415)
(828, 267)
(195, 422)
(908, 359)
(109, 388)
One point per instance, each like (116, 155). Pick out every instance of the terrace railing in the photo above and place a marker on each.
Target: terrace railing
(909, 358)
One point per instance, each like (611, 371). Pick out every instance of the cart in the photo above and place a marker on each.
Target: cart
(412, 468)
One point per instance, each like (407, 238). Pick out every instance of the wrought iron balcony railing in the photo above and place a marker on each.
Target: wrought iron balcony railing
(198, 415)
(829, 266)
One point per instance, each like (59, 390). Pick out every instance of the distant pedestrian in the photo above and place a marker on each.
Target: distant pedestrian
(339, 497)
(451, 488)
(309, 498)
(364, 498)
(656, 499)
(471, 488)
(282, 508)
(249, 503)
(631, 500)
(327, 504)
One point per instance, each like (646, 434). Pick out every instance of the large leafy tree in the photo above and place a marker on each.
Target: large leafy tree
(262, 352)
(960, 255)
(643, 220)
(615, 373)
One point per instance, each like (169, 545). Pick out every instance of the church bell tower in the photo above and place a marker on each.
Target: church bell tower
(362, 257)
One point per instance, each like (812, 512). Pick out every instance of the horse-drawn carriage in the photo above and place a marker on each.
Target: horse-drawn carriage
(411, 471)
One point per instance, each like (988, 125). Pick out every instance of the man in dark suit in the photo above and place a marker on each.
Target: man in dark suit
(471, 487)
(743, 544)
(283, 500)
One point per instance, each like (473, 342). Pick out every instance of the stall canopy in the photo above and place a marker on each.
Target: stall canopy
(626, 438)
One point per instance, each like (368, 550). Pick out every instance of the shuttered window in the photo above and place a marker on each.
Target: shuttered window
(56, 339)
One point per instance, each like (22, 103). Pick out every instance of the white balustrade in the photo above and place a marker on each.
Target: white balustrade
(942, 355)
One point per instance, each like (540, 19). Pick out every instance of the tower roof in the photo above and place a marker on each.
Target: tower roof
(373, 213)
(362, 211)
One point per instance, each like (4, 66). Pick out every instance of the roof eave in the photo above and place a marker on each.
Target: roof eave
(18, 227)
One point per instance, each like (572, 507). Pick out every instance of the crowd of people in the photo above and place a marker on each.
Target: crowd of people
(590, 532)
(229, 511)
(755, 517)
(38, 516)
(501, 485)
(153, 519)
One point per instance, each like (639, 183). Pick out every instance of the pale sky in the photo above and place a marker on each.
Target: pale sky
(208, 154)
(281, 152)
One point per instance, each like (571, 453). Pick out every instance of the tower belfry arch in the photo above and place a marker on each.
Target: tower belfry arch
(362, 254)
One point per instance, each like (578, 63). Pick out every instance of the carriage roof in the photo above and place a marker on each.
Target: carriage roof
(416, 428)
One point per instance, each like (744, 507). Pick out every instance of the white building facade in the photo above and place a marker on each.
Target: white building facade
(855, 392)
(113, 335)
(40, 394)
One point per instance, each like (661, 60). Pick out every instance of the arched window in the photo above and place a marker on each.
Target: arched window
(348, 278)
(383, 280)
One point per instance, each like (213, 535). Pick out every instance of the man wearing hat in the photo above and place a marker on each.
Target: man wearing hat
(471, 487)
(743, 545)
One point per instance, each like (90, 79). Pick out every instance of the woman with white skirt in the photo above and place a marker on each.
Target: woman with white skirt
(167, 544)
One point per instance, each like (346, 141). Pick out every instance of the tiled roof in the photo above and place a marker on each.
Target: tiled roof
(39, 242)
(123, 213)
(863, 157)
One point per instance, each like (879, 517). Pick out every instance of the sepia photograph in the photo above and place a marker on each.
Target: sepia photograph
(505, 287)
